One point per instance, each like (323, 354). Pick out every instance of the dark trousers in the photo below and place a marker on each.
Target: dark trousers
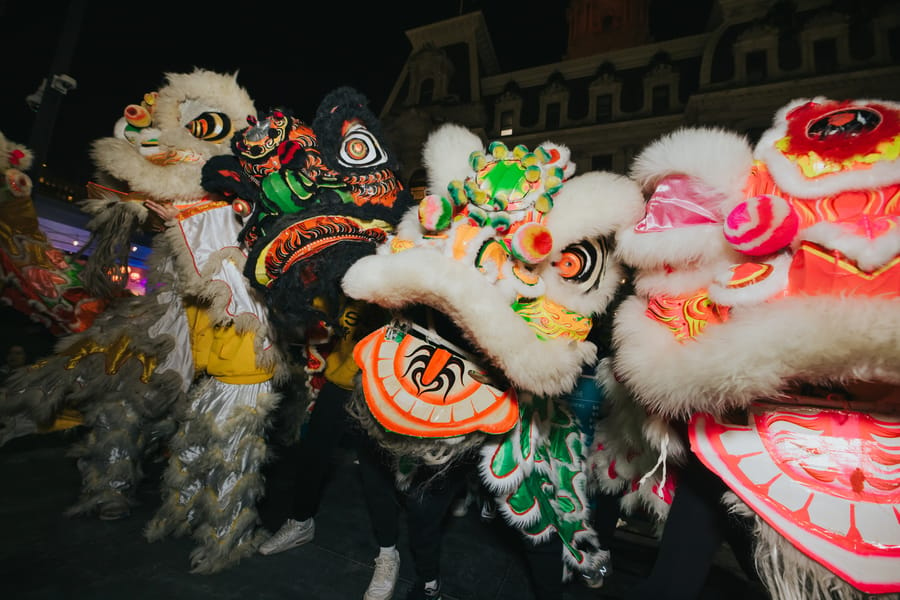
(545, 567)
(696, 526)
(426, 503)
(327, 425)
(380, 493)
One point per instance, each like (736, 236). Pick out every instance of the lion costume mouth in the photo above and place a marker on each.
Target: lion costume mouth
(824, 477)
(417, 383)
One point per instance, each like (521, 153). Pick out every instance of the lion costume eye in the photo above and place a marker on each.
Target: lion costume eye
(359, 148)
(210, 126)
(583, 262)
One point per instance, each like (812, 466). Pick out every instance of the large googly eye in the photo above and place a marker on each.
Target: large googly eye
(570, 265)
(210, 127)
(583, 263)
(359, 148)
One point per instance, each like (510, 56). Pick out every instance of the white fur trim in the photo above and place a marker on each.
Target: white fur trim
(757, 353)
(446, 156)
(424, 276)
(721, 158)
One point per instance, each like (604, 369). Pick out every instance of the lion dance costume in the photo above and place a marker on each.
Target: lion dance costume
(38, 279)
(318, 196)
(766, 318)
(493, 281)
(189, 366)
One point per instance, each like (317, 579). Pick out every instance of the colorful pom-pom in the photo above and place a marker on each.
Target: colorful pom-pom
(435, 212)
(761, 225)
(477, 160)
(137, 115)
(18, 183)
(500, 221)
(498, 150)
(457, 193)
(544, 203)
(531, 243)
(541, 154)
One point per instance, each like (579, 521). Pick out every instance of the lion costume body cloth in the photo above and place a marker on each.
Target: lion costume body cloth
(766, 318)
(188, 367)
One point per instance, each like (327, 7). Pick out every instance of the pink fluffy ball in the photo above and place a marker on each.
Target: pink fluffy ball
(761, 225)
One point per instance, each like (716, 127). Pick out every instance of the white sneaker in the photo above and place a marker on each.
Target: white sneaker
(292, 534)
(387, 569)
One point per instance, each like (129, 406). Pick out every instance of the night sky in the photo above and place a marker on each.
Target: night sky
(287, 53)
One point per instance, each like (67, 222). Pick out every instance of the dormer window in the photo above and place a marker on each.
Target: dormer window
(426, 91)
(604, 104)
(660, 100)
(506, 123)
(825, 55)
(756, 66)
(553, 116)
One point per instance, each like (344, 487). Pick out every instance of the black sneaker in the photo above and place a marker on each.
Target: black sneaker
(420, 592)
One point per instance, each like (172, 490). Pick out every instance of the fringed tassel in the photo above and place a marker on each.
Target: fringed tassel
(213, 481)
(109, 458)
(788, 574)
(661, 461)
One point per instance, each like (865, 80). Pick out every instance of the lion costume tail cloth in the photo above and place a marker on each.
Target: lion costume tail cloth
(188, 367)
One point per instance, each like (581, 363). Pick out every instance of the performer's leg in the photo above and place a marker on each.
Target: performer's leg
(691, 536)
(605, 512)
(379, 490)
(382, 501)
(545, 567)
(318, 445)
(109, 458)
(427, 504)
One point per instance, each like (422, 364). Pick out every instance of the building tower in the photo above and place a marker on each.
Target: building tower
(597, 26)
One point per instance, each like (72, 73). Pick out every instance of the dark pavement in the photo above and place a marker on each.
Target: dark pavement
(45, 555)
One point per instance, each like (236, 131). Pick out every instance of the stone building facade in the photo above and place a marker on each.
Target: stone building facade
(617, 89)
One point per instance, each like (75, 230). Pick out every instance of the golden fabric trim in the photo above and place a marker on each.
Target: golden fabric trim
(115, 355)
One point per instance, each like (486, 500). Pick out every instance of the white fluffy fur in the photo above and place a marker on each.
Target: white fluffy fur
(7, 146)
(719, 158)
(424, 276)
(610, 201)
(756, 354)
(791, 180)
(627, 446)
(181, 181)
(446, 155)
